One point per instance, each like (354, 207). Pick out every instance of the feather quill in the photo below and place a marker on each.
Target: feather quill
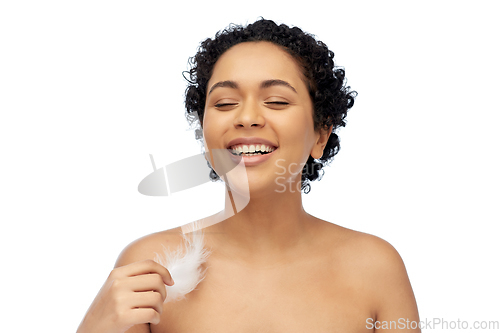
(184, 264)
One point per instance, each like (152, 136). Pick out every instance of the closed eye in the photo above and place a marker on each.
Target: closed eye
(221, 105)
(277, 105)
(278, 102)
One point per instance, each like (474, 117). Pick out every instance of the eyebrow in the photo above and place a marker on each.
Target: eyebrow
(265, 84)
(224, 84)
(271, 83)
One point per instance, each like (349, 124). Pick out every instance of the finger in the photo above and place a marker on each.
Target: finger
(148, 267)
(148, 299)
(144, 316)
(148, 282)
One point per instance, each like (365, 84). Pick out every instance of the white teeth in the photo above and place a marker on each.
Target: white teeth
(252, 149)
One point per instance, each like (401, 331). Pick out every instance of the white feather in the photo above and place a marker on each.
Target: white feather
(184, 264)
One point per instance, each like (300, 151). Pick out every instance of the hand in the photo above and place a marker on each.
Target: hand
(132, 295)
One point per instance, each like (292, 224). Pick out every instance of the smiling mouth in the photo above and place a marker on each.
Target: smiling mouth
(251, 150)
(249, 154)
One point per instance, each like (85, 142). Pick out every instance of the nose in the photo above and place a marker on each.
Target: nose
(249, 116)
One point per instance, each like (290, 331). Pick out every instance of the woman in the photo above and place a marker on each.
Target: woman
(268, 95)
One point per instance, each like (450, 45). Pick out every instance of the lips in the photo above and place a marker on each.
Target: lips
(249, 141)
(250, 160)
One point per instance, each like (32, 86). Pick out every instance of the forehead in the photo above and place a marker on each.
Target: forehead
(253, 62)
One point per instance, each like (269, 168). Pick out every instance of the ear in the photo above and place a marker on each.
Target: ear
(321, 140)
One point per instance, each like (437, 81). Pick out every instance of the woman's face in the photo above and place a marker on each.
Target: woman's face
(257, 96)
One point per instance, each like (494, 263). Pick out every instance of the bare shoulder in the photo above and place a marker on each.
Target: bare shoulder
(367, 259)
(362, 249)
(372, 252)
(145, 248)
(371, 263)
(149, 246)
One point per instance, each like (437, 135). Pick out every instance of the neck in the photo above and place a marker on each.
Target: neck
(271, 226)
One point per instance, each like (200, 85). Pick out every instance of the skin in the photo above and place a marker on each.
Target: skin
(273, 267)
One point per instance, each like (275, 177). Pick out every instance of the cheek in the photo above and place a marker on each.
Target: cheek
(209, 134)
(303, 126)
(210, 128)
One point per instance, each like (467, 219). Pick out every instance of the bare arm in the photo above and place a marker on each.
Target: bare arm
(132, 296)
(396, 308)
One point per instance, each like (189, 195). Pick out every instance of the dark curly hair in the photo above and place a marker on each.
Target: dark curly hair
(330, 96)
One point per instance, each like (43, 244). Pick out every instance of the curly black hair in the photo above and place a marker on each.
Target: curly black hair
(326, 82)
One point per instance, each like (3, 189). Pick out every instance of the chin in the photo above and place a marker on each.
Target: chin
(260, 188)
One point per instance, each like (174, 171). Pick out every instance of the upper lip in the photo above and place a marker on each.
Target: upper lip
(250, 140)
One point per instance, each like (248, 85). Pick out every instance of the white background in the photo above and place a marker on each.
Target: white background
(89, 89)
